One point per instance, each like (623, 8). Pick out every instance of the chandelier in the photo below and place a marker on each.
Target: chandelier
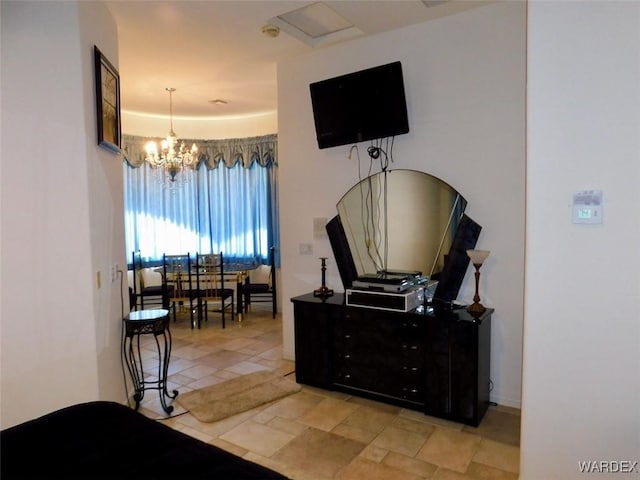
(172, 157)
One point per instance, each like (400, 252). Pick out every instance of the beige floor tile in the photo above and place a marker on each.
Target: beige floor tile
(237, 344)
(198, 371)
(354, 433)
(257, 347)
(373, 453)
(446, 474)
(294, 406)
(500, 426)
(188, 353)
(286, 425)
(211, 429)
(362, 468)
(400, 441)
(421, 417)
(327, 393)
(181, 380)
(366, 402)
(223, 358)
(281, 366)
(498, 455)
(244, 368)
(207, 381)
(327, 414)
(369, 419)
(319, 453)
(192, 432)
(416, 426)
(274, 353)
(257, 438)
(229, 447)
(178, 365)
(485, 472)
(410, 465)
(450, 449)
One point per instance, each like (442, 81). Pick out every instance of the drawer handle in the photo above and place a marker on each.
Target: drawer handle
(413, 369)
(413, 390)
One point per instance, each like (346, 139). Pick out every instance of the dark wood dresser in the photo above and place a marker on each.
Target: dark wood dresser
(433, 360)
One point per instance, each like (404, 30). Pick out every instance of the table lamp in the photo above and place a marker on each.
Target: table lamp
(477, 258)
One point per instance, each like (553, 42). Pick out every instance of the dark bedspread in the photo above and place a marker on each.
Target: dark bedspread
(107, 440)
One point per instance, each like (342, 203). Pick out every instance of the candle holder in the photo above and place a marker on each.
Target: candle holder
(477, 258)
(323, 291)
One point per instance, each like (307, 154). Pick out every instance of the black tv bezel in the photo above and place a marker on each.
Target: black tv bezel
(358, 130)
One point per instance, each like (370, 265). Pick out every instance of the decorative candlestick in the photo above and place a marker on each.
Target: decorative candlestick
(477, 258)
(323, 291)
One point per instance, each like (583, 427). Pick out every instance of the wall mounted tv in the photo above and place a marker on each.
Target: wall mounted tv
(360, 106)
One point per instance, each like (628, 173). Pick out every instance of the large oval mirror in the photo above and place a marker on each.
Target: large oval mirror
(400, 221)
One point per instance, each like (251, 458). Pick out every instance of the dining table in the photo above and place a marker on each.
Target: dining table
(234, 269)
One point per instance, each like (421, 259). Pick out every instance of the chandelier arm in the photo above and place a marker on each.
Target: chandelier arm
(173, 156)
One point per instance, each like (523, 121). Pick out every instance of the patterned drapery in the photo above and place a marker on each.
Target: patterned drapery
(261, 150)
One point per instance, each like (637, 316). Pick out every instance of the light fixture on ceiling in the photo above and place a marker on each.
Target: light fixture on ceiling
(173, 157)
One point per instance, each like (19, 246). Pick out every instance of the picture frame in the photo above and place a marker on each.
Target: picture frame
(107, 80)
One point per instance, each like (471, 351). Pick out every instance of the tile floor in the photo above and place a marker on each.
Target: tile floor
(317, 434)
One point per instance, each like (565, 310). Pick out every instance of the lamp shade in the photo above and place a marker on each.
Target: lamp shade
(478, 256)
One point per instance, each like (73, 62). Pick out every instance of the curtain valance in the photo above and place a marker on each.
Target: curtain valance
(263, 150)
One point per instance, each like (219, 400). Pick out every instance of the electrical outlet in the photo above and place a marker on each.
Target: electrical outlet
(114, 272)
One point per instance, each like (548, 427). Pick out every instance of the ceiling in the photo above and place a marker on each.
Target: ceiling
(216, 50)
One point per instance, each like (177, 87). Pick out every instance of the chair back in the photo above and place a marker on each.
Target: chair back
(177, 272)
(209, 273)
(136, 265)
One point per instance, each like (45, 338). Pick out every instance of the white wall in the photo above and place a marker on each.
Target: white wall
(581, 388)
(465, 86)
(205, 128)
(61, 213)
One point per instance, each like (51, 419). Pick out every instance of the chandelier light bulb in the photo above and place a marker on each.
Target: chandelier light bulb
(173, 156)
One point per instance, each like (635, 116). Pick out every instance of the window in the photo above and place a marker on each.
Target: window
(229, 209)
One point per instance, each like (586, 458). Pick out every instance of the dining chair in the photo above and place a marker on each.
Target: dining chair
(256, 292)
(212, 293)
(143, 291)
(178, 283)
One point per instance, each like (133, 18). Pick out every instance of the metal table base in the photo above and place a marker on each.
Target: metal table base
(148, 322)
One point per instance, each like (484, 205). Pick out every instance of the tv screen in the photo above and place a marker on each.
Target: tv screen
(360, 106)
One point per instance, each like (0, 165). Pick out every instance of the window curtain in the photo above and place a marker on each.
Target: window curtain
(227, 203)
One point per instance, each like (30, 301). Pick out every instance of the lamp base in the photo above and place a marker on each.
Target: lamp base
(476, 308)
(323, 292)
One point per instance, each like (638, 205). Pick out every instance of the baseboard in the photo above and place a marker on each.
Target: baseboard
(506, 401)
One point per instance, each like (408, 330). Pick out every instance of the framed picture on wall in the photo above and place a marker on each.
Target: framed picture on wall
(107, 102)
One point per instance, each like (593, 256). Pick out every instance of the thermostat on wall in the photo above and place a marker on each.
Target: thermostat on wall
(587, 207)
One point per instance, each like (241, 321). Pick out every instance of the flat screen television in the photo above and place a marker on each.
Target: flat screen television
(360, 106)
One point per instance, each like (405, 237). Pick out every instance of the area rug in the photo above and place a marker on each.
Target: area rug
(236, 395)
